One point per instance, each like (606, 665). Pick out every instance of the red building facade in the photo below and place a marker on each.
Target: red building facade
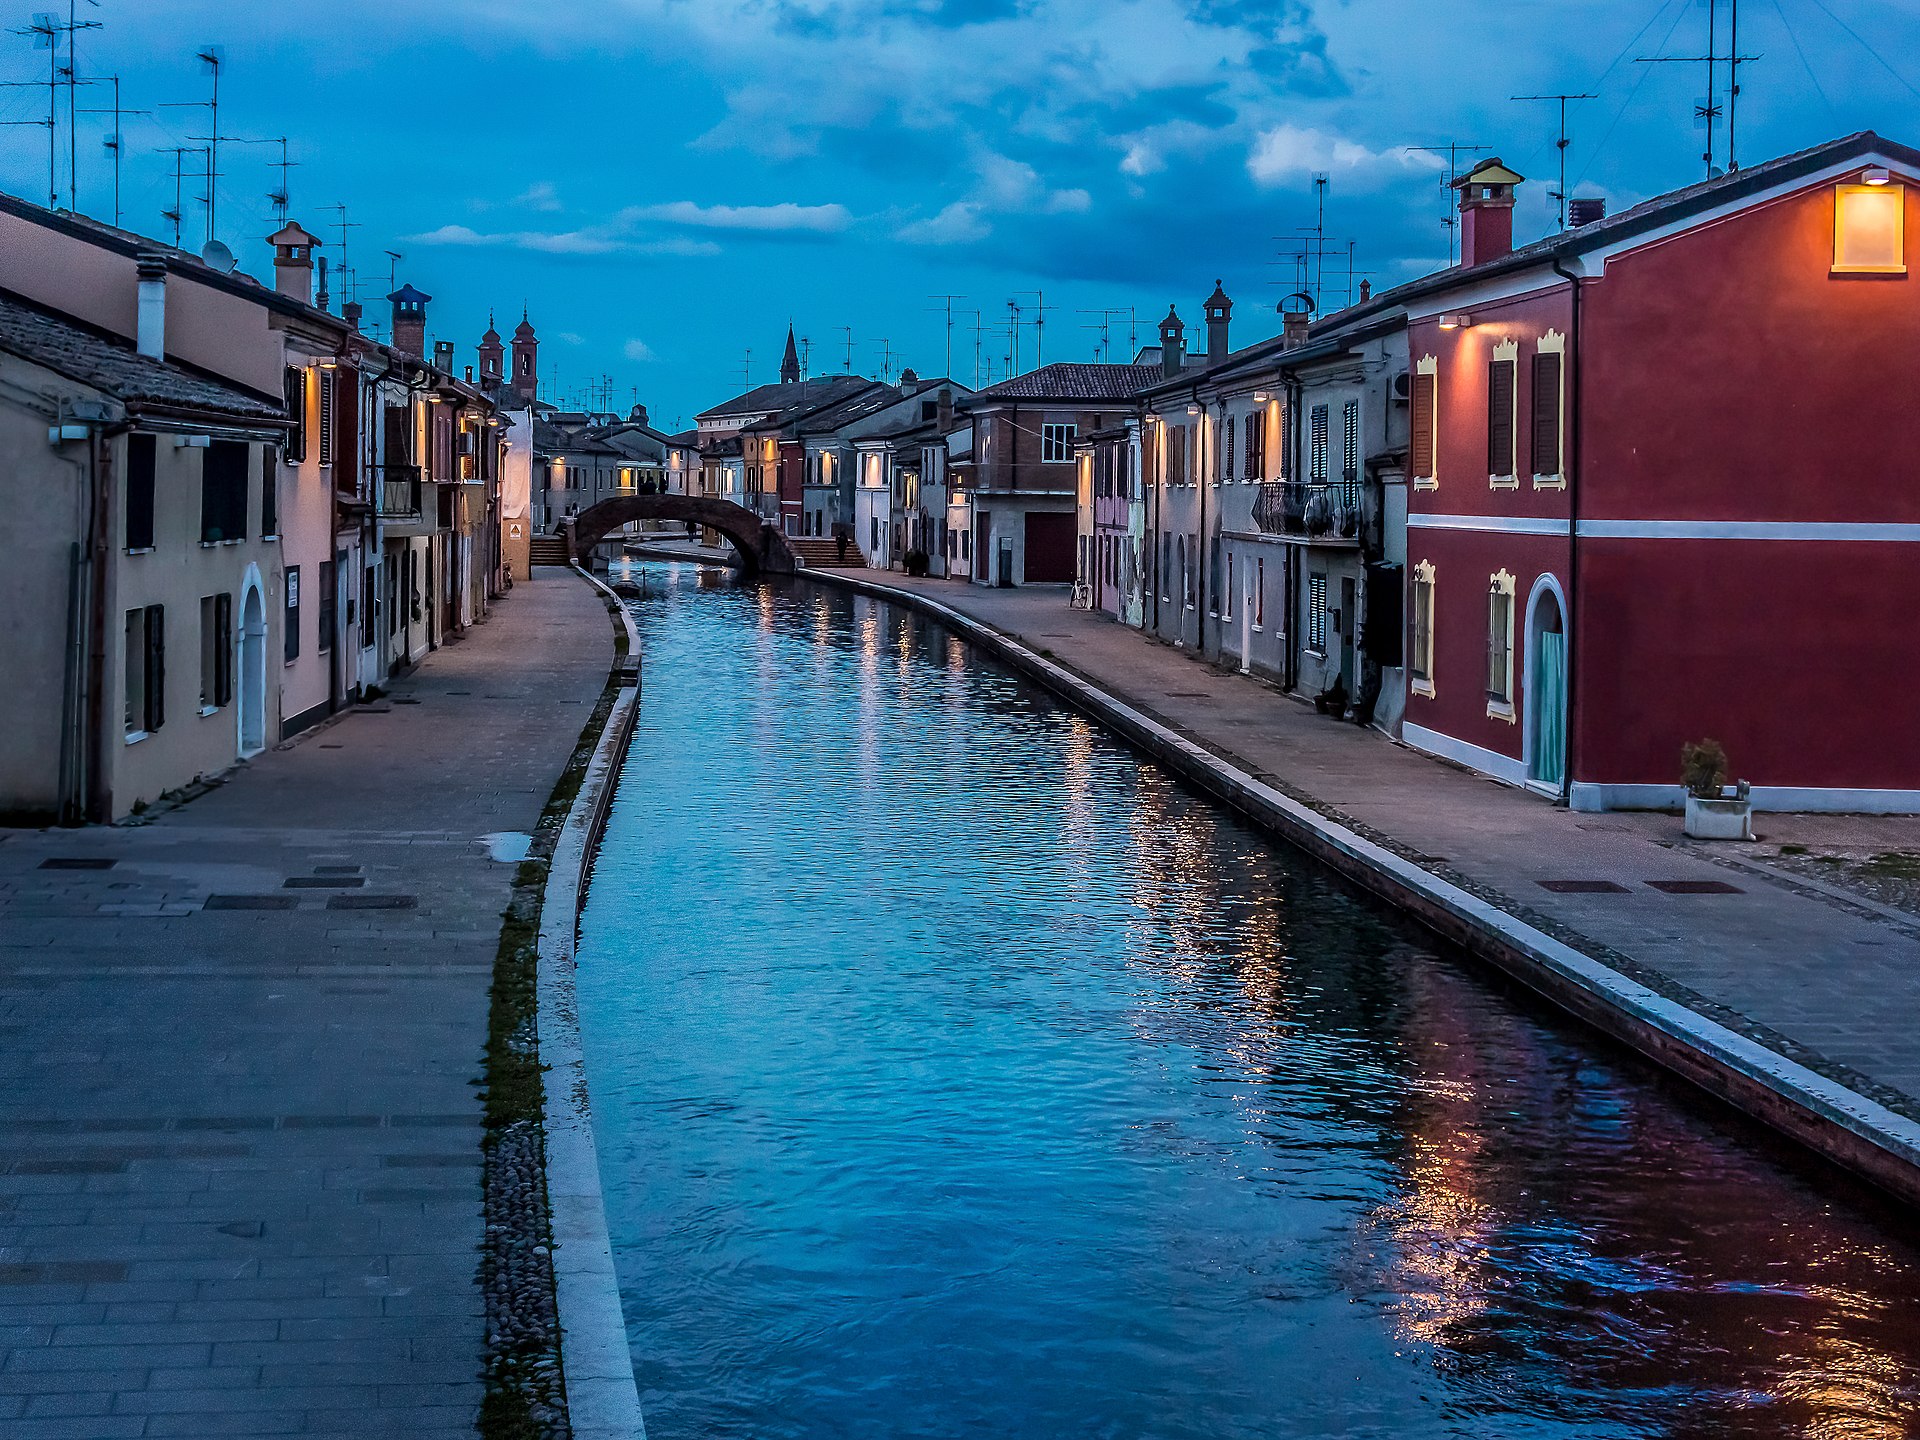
(1664, 487)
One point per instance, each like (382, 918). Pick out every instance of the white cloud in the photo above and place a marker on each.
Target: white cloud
(637, 350)
(569, 337)
(592, 241)
(1288, 152)
(958, 224)
(539, 196)
(786, 216)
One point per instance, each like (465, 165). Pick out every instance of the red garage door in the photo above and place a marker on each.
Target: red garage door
(1049, 548)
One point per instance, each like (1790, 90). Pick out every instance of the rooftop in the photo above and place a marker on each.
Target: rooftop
(1071, 381)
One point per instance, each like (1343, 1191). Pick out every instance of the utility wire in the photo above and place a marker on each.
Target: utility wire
(1806, 65)
(1880, 59)
(1595, 153)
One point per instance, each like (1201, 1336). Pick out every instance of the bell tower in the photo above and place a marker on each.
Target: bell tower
(526, 360)
(492, 356)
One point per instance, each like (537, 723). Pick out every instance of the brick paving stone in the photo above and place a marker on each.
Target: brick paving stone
(1832, 984)
(198, 1100)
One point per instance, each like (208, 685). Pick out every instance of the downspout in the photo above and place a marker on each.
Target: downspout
(1202, 561)
(92, 775)
(1290, 581)
(1573, 517)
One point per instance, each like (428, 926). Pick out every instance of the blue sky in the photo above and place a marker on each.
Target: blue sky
(664, 183)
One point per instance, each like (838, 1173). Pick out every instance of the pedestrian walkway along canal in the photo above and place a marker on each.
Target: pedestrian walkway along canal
(955, 1073)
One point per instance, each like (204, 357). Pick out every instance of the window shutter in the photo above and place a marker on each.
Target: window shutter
(141, 454)
(1423, 425)
(156, 667)
(1227, 472)
(269, 491)
(223, 649)
(297, 413)
(1500, 417)
(1546, 414)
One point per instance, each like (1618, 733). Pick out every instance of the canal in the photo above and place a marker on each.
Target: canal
(957, 1073)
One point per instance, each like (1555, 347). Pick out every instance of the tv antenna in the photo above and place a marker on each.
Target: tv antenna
(74, 24)
(115, 143)
(947, 301)
(1561, 144)
(806, 357)
(179, 153)
(1708, 111)
(1040, 309)
(847, 331)
(347, 281)
(394, 257)
(886, 358)
(746, 369)
(1452, 150)
(45, 31)
(214, 57)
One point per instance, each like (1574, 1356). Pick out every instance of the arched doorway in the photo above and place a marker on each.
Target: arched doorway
(253, 669)
(1546, 686)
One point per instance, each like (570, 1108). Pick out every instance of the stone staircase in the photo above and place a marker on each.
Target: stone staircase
(548, 550)
(819, 552)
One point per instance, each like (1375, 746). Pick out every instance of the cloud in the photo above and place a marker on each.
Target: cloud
(1288, 152)
(637, 350)
(570, 337)
(786, 216)
(539, 196)
(591, 241)
(958, 224)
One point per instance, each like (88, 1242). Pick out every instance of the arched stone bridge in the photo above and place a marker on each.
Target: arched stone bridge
(761, 546)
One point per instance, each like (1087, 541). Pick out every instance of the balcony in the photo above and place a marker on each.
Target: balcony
(1316, 510)
(399, 492)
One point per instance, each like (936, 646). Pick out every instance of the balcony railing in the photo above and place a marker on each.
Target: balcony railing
(399, 492)
(1313, 508)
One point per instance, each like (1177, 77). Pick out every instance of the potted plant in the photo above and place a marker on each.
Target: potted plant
(1711, 813)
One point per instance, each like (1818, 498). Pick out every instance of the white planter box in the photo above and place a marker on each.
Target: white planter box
(1719, 819)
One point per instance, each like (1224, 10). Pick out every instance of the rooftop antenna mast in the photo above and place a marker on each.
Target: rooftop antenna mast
(806, 357)
(947, 301)
(1013, 337)
(1707, 112)
(1453, 150)
(394, 257)
(179, 153)
(45, 31)
(976, 349)
(886, 358)
(847, 332)
(213, 57)
(746, 369)
(347, 282)
(281, 198)
(115, 143)
(74, 23)
(1561, 144)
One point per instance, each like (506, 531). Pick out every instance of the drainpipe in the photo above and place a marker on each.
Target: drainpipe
(1290, 581)
(1203, 560)
(1573, 516)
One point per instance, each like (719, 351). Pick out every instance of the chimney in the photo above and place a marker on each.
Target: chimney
(1173, 345)
(410, 321)
(322, 299)
(350, 312)
(943, 413)
(1585, 209)
(293, 261)
(443, 356)
(1486, 212)
(150, 329)
(1366, 291)
(1219, 312)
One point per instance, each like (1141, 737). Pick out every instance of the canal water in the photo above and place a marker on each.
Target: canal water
(957, 1073)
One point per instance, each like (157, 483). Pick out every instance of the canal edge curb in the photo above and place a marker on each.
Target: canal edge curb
(1827, 1117)
(603, 1400)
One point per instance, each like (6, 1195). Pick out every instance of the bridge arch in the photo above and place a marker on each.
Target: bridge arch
(761, 546)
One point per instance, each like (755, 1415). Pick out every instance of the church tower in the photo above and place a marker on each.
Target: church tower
(526, 360)
(492, 354)
(790, 362)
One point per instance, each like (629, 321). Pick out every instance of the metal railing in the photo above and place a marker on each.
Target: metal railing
(399, 491)
(1315, 508)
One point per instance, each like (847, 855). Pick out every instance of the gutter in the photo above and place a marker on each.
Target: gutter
(1575, 483)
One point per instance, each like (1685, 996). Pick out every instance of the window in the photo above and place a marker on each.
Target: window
(326, 419)
(1424, 381)
(1176, 455)
(1166, 566)
(1869, 230)
(223, 492)
(1420, 663)
(293, 613)
(369, 605)
(1259, 593)
(1256, 466)
(1317, 613)
(1226, 468)
(1213, 576)
(1547, 463)
(141, 460)
(145, 662)
(329, 604)
(1056, 444)
(1226, 593)
(1186, 588)
(1500, 647)
(269, 490)
(296, 393)
(216, 652)
(1500, 403)
(1350, 449)
(1317, 453)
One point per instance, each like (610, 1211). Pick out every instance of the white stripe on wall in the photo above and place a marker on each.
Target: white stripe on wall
(1501, 524)
(1836, 530)
(1464, 752)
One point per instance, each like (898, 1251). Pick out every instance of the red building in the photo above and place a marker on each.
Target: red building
(1664, 485)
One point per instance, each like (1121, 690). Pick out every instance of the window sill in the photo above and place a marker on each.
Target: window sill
(1503, 482)
(140, 549)
(134, 737)
(1502, 710)
(1422, 688)
(1549, 482)
(1425, 482)
(270, 539)
(216, 544)
(206, 710)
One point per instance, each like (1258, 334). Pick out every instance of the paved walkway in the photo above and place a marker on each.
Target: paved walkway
(1829, 979)
(240, 1185)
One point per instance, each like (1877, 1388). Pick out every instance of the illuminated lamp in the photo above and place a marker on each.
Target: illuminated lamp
(1876, 175)
(329, 362)
(1193, 409)
(1455, 321)
(1260, 397)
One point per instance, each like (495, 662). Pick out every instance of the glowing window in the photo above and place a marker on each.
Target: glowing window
(1869, 223)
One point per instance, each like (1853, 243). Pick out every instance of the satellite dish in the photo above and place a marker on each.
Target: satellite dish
(218, 257)
(1298, 303)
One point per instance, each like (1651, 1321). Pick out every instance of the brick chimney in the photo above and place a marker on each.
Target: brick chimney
(1173, 344)
(410, 321)
(293, 261)
(350, 312)
(1219, 312)
(1486, 212)
(943, 411)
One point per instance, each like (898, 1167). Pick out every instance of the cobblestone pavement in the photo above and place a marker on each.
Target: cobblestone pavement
(1819, 970)
(240, 1184)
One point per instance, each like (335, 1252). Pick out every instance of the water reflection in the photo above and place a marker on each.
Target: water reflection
(957, 1074)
